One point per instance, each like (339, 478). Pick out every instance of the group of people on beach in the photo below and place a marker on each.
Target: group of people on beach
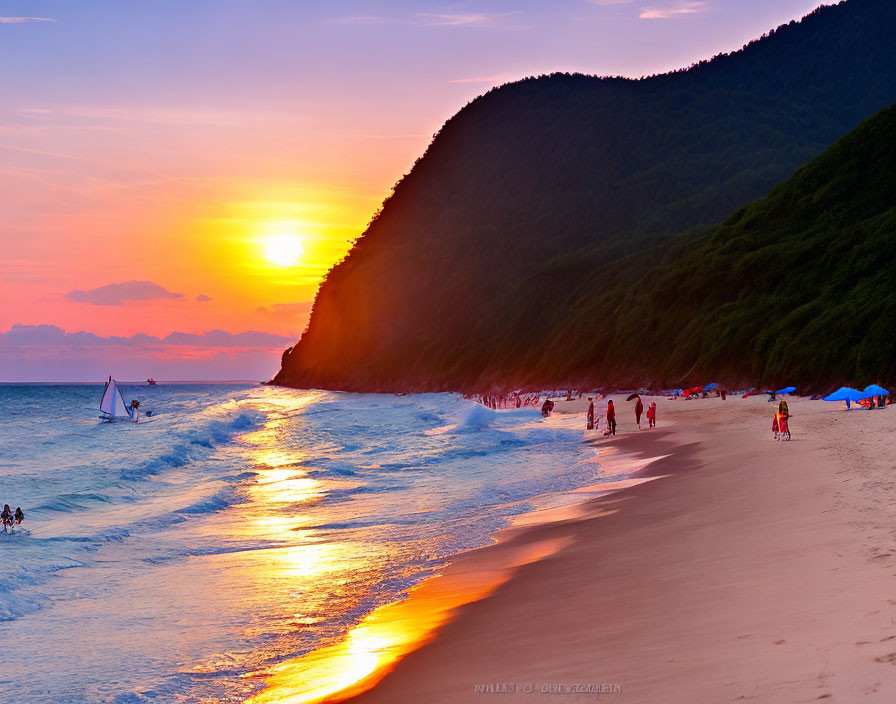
(590, 422)
(517, 399)
(10, 518)
(514, 400)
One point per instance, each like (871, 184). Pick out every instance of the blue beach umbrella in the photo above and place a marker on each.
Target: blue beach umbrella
(786, 390)
(875, 390)
(845, 393)
(711, 387)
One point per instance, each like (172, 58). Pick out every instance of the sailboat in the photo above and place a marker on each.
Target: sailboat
(112, 404)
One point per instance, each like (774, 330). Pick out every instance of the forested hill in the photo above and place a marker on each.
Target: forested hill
(541, 196)
(798, 288)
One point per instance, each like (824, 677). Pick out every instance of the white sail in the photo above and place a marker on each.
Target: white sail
(107, 402)
(112, 403)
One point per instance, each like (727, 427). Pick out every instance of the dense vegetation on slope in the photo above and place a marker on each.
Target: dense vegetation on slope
(537, 202)
(797, 288)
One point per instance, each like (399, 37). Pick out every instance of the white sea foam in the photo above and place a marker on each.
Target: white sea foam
(241, 526)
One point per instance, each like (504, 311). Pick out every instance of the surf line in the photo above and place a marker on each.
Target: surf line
(372, 649)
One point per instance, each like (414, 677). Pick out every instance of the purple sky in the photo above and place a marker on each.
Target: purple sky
(150, 150)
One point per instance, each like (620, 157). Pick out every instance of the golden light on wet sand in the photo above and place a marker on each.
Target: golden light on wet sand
(373, 647)
(305, 561)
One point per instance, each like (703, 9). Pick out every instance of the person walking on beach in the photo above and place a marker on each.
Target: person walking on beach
(590, 424)
(639, 409)
(611, 417)
(651, 415)
(784, 420)
(775, 426)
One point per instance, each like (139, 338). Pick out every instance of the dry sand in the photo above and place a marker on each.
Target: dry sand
(753, 570)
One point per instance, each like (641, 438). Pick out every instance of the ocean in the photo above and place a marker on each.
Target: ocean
(241, 525)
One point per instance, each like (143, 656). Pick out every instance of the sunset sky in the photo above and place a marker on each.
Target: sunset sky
(151, 151)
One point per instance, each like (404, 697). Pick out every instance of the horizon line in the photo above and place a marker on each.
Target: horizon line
(132, 381)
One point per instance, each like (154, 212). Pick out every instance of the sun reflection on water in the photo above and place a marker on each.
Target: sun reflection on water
(373, 647)
(308, 581)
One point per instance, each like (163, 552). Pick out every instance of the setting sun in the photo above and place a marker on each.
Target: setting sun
(284, 250)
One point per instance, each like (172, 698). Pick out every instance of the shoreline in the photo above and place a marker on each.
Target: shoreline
(369, 651)
(753, 570)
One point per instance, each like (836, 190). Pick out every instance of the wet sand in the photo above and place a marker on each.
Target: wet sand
(753, 570)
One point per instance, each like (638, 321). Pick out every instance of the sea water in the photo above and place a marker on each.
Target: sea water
(240, 526)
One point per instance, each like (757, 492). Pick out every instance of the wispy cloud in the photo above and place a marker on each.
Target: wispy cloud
(118, 294)
(608, 3)
(222, 338)
(361, 19)
(166, 115)
(22, 20)
(491, 80)
(664, 13)
(462, 19)
(302, 308)
(436, 19)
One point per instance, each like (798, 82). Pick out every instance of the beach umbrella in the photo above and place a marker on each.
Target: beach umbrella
(875, 390)
(632, 397)
(845, 393)
(786, 390)
(710, 387)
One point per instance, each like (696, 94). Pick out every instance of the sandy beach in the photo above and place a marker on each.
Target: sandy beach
(751, 570)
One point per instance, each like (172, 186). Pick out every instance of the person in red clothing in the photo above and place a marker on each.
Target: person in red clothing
(639, 409)
(590, 425)
(651, 415)
(611, 417)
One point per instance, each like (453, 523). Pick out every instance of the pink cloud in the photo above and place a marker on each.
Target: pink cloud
(49, 353)
(20, 336)
(22, 20)
(117, 294)
(685, 8)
